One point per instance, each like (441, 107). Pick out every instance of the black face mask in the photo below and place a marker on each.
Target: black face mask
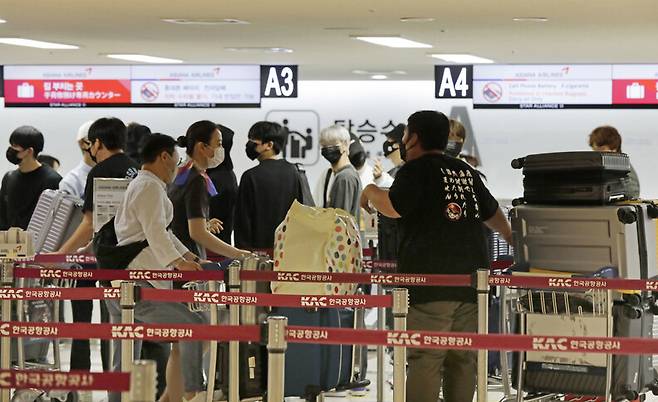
(403, 152)
(389, 148)
(454, 148)
(332, 154)
(12, 156)
(250, 149)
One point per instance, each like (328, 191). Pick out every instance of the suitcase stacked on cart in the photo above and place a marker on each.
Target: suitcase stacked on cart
(577, 218)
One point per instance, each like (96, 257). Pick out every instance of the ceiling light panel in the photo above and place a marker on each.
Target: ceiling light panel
(205, 21)
(462, 58)
(142, 58)
(36, 44)
(392, 41)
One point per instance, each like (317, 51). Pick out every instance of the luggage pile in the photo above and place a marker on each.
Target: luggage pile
(577, 218)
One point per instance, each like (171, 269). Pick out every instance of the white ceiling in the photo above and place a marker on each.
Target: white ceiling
(577, 31)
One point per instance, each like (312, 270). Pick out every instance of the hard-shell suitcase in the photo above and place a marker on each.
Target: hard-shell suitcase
(316, 368)
(573, 164)
(54, 220)
(253, 369)
(582, 240)
(575, 178)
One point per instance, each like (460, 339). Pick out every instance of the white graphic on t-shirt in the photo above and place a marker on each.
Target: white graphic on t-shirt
(459, 186)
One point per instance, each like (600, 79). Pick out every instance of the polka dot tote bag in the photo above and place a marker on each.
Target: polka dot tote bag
(323, 240)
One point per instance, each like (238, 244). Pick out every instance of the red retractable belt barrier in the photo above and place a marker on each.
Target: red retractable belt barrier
(118, 274)
(384, 279)
(74, 380)
(266, 300)
(153, 332)
(468, 341)
(60, 293)
(544, 282)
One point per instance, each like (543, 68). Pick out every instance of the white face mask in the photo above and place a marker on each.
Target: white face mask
(217, 159)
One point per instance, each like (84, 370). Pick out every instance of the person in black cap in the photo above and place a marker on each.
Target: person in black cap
(222, 206)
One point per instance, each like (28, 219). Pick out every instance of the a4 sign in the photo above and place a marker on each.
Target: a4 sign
(453, 81)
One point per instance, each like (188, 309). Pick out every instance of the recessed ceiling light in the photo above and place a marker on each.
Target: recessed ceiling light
(417, 19)
(205, 21)
(530, 19)
(344, 29)
(370, 72)
(144, 58)
(379, 77)
(260, 49)
(2, 21)
(392, 41)
(462, 58)
(36, 44)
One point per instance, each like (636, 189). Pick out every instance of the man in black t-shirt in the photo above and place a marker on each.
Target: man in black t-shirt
(21, 188)
(107, 137)
(442, 203)
(267, 190)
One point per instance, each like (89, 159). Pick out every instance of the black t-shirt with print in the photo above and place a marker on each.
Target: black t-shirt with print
(442, 202)
(190, 201)
(117, 166)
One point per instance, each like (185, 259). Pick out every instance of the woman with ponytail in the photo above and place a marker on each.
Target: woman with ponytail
(192, 190)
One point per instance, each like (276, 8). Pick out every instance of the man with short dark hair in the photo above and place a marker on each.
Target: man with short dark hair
(442, 203)
(608, 139)
(107, 139)
(266, 191)
(21, 188)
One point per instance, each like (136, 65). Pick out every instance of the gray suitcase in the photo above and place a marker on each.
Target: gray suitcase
(54, 220)
(582, 240)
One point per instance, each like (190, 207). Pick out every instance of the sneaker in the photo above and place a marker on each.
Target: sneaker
(200, 397)
(359, 392)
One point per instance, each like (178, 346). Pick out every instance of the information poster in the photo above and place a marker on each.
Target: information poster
(542, 86)
(196, 86)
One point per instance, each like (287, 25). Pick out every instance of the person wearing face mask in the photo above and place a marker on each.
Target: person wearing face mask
(392, 149)
(456, 141)
(107, 138)
(22, 187)
(267, 190)
(74, 181)
(441, 204)
(342, 189)
(191, 191)
(144, 215)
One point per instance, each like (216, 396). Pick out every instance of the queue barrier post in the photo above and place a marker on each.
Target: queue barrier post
(234, 346)
(400, 312)
(6, 281)
(276, 357)
(381, 326)
(482, 287)
(212, 364)
(143, 381)
(127, 303)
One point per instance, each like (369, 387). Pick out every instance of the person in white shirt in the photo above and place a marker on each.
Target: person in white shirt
(145, 214)
(74, 181)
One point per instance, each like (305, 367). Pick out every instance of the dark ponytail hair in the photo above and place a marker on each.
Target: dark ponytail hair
(201, 131)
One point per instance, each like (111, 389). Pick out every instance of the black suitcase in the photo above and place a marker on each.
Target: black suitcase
(575, 178)
(253, 369)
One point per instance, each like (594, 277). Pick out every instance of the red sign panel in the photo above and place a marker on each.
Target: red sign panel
(639, 92)
(103, 91)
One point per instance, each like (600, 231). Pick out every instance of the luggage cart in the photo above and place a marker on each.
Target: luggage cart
(553, 314)
(46, 311)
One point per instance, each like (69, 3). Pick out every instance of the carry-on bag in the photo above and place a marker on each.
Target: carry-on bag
(54, 220)
(575, 178)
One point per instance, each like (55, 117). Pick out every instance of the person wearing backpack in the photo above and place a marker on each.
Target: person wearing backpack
(142, 240)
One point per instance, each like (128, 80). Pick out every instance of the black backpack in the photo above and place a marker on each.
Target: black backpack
(111, 256)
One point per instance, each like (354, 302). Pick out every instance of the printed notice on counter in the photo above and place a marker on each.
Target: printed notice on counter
(108, 195)
(542, 86)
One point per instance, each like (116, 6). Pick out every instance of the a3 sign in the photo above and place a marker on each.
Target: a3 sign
(453, 81)
(278, 81)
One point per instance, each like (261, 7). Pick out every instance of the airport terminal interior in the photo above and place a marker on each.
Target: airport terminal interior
(347, 200)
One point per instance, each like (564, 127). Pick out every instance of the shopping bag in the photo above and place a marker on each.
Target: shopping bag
(322, 240)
